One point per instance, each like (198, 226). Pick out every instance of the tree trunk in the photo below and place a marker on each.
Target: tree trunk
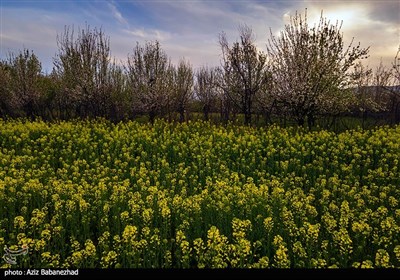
(247, 108)
(152, 116)
(247, 118)
(225, 112)
(28, 108)
(364, 117)
(181, 115)
(310, 120)
(300, 121)
(397, 113)
(206, 112)
(266, 117)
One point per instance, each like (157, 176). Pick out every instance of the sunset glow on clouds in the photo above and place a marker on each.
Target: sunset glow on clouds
(190, 28)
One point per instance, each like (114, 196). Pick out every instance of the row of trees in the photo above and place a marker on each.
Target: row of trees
(306, 72)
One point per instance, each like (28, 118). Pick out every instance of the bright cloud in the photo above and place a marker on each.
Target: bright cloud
(148, 34)
(190, 29)
(116, 13)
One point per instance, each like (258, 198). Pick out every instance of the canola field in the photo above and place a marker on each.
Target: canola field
(92, 194)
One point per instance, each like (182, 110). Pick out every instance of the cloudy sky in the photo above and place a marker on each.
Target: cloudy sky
(190, 28)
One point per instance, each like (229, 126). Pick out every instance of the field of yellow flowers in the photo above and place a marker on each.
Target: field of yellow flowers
(92, 194)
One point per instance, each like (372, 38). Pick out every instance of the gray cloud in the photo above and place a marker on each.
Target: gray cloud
(385, 11)
(190, 28)
(195, 25)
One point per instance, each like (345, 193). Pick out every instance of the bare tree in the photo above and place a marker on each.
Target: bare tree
(311, 68)
(226, 90)
(383, 78)
(182, 87)
(25, 72)
(83, 64)
(396, 67)
(6, 97)
(386, 83)
(366, 93)
(48, 86)
(119, 94)
(149, 79)
(391, 83)
(206, 88)
(245, 70)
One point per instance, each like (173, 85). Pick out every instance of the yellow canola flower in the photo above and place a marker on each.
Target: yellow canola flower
(361, 228)
(299, 250)
(389, 226)
(147, 215)
(216, 248)
(165, 210)
(249, 183)
(19, 222)
(318, 263)
(382, 259)
(124, 216)
(38, 217)
(46, 257)
(329, 222)
(262, 263)
(90, 248)
(184, 247)
(281, 258)
(311, 232)
(240, 228)
(109, 259)
(367, 264)
(40, 244)
(393, 202)
(268, 224)
(396, 252)
(343, 241)
(146, 232)
(46, 234)
(129, 234)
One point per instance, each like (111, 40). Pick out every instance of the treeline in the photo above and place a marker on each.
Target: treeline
(306, 73)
